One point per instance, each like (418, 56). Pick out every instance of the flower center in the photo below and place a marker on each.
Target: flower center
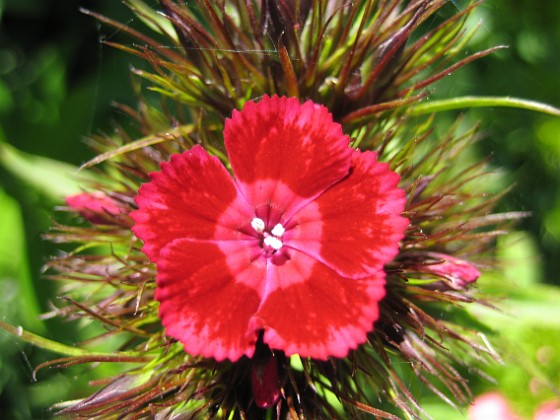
(271, 240)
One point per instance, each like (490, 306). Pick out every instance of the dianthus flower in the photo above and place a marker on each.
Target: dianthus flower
(293, 246)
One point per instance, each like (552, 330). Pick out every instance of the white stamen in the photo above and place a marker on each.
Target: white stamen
(258, 224)
(278, 230)
(273, 242)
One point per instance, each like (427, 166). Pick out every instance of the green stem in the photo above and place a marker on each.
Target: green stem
(47, 344)
(463, 102)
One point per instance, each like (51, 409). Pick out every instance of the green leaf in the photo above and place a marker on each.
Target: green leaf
(465, 102)
(53, 179)
(150, 140)
(43, 342)
(156, 22)
(18, 299)
(64, 349)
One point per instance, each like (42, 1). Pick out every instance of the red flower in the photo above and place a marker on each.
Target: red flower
(295, 245)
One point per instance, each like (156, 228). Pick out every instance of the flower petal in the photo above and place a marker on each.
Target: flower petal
(208, 291)
(355, 226)
(192, 197)
(284, 153)
(312, 311)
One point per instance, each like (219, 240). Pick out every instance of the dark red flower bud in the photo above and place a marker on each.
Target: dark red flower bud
(264, 380)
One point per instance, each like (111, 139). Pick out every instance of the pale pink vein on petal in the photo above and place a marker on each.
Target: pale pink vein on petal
(359, 219)
(283, 141)
(207, 298)
(316, 312)
(191, 197)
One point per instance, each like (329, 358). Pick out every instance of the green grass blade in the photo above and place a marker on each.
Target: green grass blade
(465, 102)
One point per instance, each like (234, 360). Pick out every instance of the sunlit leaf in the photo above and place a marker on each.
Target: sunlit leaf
(49, 177)
(466, 102)
(18, 297)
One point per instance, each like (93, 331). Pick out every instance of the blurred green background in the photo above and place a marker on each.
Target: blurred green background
(57, 83)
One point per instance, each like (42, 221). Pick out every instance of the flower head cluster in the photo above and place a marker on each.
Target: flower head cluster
(294, 246)
(286, 233)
